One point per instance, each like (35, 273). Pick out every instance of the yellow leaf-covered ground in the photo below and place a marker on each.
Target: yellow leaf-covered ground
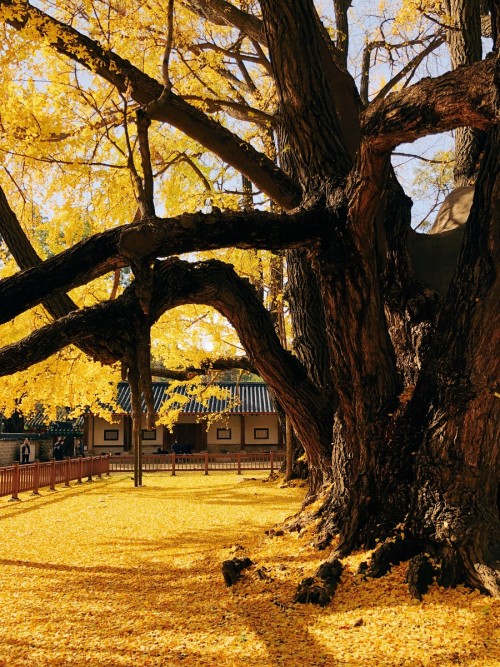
(104, 574)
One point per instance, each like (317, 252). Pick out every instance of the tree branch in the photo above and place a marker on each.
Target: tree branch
(168, 46)
(308, 103)
(240, 111)
(221, 12)
(129, 80)
(410, 66)
(206, 366)
(147, 190)
(462, 97)
(122, 246)
(26, 256)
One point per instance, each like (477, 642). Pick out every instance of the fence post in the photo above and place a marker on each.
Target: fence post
(80, 470)
(36, 478)
(108, 464)
(271, 458)
(67, 471)
(52, 475)
(173, 464)
(100, 467)
(238, 456)
(16, 479)
(91, 465)
(206, 462)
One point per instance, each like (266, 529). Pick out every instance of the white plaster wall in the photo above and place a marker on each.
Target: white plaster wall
(99, 426)
(150, 446)
(116, 446)
(234, 423)
(261, 421)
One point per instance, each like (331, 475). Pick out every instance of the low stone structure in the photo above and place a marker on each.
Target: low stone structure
(10, 445)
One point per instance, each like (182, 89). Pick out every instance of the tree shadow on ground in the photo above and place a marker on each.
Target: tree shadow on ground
(127, 598)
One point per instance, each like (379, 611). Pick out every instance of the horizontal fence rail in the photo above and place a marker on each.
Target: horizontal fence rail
(17, 478)
(202, 462)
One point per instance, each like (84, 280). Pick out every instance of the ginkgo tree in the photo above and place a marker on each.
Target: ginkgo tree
(390, 385)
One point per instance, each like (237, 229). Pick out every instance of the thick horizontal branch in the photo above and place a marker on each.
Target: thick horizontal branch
(208, 365)
(463, 97)
(73, 328)
(145, 90)
(118, 247)
(220, 12)
(176, 283)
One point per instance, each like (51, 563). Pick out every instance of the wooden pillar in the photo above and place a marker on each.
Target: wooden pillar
(88, 421)
(204, 436)
(127, 433)
(280, 434)
(173, 464)
(206, 463)
(242, 428)
(80, 470)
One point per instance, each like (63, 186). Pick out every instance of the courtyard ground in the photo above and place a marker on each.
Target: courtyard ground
(107, 575)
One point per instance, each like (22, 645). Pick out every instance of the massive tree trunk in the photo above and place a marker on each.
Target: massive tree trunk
(455, 411)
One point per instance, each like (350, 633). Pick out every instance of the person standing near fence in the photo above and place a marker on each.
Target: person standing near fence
(78, 447)
(25, 451)
(58, 451)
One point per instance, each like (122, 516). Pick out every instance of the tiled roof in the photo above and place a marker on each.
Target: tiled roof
(66, 428)
(71, 427)
(36, 421)
(250, 397)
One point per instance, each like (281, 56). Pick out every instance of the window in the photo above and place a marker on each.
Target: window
(111, 434)
(149, 435)
(223, 434)
(261, 433)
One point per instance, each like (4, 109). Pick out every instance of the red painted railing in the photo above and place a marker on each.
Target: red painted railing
(202, 461)
(17, 478)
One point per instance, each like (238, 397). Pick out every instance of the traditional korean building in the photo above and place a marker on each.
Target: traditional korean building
(249, 422)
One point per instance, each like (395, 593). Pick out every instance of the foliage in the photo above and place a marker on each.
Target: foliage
(138, 581)
(65, 173)
(66, 164)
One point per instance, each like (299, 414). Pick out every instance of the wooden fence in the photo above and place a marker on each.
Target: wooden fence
(17, 478)
(202, 461)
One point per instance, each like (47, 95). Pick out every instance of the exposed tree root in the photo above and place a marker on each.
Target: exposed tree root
(420, 575)
(232, 569)
(449, 567)
(391, 552)
(320, 588)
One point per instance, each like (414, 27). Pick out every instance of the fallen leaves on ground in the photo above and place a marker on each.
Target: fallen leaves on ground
(108, 575)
